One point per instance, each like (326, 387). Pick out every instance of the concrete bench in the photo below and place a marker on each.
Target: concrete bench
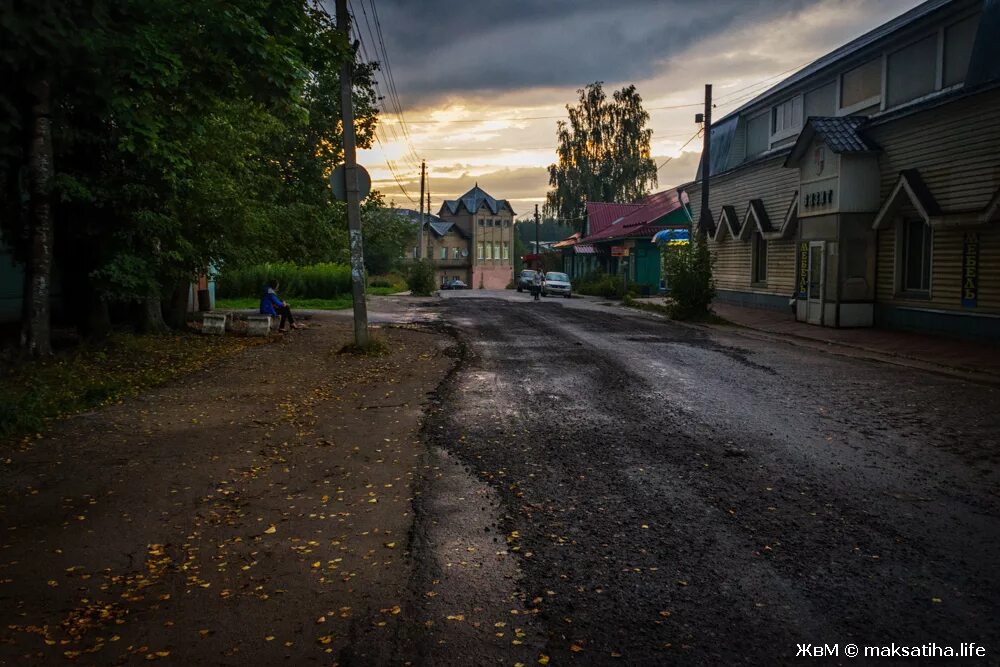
(259, 325)
(213, 324)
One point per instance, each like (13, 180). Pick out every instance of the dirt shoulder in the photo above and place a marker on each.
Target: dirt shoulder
(254, 513)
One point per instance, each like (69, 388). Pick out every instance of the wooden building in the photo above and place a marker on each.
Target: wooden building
(618, 239)
(865, 189)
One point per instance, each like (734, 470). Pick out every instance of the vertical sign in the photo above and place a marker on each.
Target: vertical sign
(970, 270)
(803, 269)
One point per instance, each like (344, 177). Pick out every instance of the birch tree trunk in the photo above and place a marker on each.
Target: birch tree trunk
(36, 318)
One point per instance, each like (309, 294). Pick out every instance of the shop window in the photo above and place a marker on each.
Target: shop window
(861, 84)
(915, 256)
(759, 249)
(958, 41)
(912, 71)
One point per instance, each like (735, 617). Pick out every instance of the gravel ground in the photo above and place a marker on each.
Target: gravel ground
(656, 494)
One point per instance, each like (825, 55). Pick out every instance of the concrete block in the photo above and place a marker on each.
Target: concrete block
(259, 325)
(213, 323)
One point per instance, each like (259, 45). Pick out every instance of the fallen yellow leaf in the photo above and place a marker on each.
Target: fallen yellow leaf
(270, 530)
(543, 659)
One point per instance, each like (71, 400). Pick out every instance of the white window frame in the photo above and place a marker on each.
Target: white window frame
(481, 250)
(874, 100)
(444, 252)
(901, 290)
(938, 70)
(784, 133)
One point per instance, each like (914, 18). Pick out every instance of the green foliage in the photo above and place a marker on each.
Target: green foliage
(689, 275)
(421, 277)
(387, 235)
(318, 281)
(341, 302)
(548, 230)
(389, 283)
(393, 280)
(186, 134)
(603, 153)
(96, 375)
(599, 283)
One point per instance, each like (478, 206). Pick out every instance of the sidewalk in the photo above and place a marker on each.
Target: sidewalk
(977, 360)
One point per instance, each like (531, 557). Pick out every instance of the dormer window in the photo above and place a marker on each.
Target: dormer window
(786, 118)
(861, 87)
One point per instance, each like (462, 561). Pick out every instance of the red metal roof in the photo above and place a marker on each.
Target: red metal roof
(601, 214)
(639, 220)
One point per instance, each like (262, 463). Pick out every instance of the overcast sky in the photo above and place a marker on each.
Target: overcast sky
(471, 68)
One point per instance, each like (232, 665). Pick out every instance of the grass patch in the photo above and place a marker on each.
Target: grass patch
(95, 375)
(249, 303)
(385, 291)
(710, 318)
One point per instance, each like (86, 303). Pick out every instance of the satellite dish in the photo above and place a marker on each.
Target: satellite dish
(465, 252)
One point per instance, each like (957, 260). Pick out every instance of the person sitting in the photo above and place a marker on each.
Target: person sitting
(271, 305)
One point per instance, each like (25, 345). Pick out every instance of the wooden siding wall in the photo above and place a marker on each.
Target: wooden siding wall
(956, 148)
(946, 271)
(775, 185)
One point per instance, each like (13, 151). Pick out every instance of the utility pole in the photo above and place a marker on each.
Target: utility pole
(706, 160)
(351, 184)
(420, 232)
(537, 225)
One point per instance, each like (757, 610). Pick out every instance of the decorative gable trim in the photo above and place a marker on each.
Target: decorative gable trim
(755, 212)
(729, 221)
(910, 187)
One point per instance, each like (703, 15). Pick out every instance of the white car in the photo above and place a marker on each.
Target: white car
(557, 284)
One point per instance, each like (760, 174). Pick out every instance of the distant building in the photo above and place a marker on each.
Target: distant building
(618, 239)
(865, 188)
(486, 227)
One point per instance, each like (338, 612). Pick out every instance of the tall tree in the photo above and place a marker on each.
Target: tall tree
(603, 153)
(175, 136)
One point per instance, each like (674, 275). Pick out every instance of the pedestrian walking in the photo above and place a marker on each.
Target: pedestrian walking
(536, 285)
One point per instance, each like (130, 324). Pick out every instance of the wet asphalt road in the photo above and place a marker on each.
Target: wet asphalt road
(658, 494)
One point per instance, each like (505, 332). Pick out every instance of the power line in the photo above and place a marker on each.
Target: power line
(693, 137)
(489, 120)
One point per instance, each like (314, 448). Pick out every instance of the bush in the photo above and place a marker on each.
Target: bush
(602, 284)
(689, 275)
(393, 280)
(421, 278)
(319, 281)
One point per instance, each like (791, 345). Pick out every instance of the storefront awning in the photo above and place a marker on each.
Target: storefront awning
(672, 237)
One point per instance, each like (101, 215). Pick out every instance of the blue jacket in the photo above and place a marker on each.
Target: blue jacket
(269, 301)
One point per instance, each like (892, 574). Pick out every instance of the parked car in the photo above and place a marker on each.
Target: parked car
(525, 280)
(557, 284)
(454, 283)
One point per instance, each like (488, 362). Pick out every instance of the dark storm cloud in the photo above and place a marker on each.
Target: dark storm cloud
(440, 48)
